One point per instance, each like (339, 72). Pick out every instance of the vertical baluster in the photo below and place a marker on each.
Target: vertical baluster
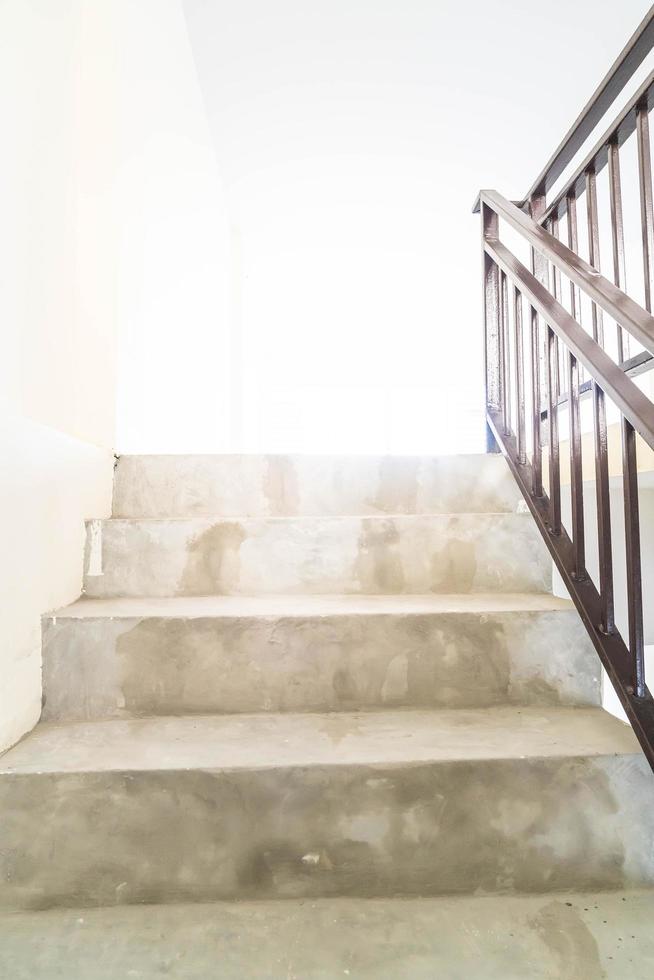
(556, 275)
(503, 381)
(506, 353)
(553, 429)
(603, 509)
(576, 470)
(646, 212)
(491, 297)
(632, 542)
(539, 264)
(617, 237)
(519, 376)
(556, 292)
(537, 463)
(573, 245)
(593, 249)
(540, 269)
(600, 432)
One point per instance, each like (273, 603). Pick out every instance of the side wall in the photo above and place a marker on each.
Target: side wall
(57, 376)
(50, 483)
(172, 272)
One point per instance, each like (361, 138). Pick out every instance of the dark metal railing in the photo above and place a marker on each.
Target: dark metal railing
(521, 365)
(548, 347)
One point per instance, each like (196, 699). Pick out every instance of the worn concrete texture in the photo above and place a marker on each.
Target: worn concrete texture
(374, 555)
(592, 936)
(290, 486)
(242, 654)
(377, 804)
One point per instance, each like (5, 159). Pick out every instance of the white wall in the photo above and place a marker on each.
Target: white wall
(172, 275)
(352, 137)
(57, 329)
(113, 261)
(50, 482)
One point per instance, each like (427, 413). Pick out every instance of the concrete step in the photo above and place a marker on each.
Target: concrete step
(537, 937)
(312, 555)
(134, 657)
(377, 804)
(290, 486)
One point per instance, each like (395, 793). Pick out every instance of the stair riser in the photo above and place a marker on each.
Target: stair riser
(404, 555)
(486, 826)
(288, 486)
(119, 668)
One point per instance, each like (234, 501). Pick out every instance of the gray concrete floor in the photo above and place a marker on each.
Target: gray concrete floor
(311, 605)
(274, 741)
(558, 937)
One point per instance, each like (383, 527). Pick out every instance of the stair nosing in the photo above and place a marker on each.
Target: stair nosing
(315, 755)
(329, 606)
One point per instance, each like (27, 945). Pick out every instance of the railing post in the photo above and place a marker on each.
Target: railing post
(537, 206)
(492, 324)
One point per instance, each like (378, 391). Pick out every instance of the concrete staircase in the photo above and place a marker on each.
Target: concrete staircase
(331, 679)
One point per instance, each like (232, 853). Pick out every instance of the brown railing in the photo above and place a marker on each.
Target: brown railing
(547, 349)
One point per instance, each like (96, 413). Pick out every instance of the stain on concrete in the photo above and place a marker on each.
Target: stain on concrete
(344, 685)
(454, 655)
(395, 683)
(454, 567)
(236, 833)
(378, 566)
(212, 562)
(569, 939)
(281, 487)
(115, 667)
(397, 486)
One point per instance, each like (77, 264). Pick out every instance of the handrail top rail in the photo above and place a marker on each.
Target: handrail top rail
(621, 71)
(527, 356)
(621, 128)
(631, 401)
(637, 321)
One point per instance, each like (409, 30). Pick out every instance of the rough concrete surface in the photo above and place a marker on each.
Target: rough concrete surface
(566, 937)
(235, 654)
(374, 555)
(296, 486)
(358, 717)
(377, 804)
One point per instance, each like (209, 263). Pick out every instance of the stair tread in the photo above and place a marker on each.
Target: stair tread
(351, 458)
(269, 741)
(217, 518)
(229, 484)
(311, 605)
(605, 934)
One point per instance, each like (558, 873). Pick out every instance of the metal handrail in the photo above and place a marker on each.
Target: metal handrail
(508, 349)
(612, 300)
(618, 76)
(622, 127)
(631, 401)
(525, 360)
